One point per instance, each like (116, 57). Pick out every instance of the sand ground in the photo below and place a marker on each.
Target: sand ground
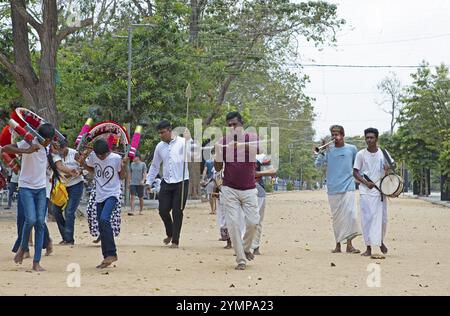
(295, 260)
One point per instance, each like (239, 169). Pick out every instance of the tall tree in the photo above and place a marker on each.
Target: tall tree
(37, 83)
(390, 87)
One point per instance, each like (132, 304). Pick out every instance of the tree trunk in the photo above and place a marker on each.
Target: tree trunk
(197, 7)
(45, 94)
(39, 92)
(194, 180)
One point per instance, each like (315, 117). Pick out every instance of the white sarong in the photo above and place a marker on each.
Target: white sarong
(344, 215)
(373, 219)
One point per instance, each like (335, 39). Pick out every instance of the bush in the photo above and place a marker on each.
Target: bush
(269, 187)
(289, 186)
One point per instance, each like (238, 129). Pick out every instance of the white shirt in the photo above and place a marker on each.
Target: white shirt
(372, 165)
(107, 181)
(34, 167)
(48, 187)
(172, 156)
(70, 162)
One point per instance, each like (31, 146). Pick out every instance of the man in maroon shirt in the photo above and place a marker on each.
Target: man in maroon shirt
(238, 150)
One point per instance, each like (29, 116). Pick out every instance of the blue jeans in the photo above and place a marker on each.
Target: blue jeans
(66, 223)
(104, 211)
(34, 203)
(21, 223)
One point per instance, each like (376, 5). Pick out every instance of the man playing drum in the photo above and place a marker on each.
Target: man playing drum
(369, 168)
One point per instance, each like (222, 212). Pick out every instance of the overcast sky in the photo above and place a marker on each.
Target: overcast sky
(378, 32)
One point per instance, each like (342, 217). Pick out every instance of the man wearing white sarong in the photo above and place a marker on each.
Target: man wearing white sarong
(339, 160)
(370, 166)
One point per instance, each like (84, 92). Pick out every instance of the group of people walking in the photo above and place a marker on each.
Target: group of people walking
(238, 199)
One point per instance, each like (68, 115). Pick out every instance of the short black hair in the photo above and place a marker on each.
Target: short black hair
(47, 131)
(63, 143)
(163, 125)
(101, 147)
(232, 115)
(371, 130)
(338, 127)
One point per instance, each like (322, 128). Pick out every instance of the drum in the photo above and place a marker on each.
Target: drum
(391, 185)
(25, 117)
(113, 133)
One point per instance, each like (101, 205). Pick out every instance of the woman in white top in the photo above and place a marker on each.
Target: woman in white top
(65, 160)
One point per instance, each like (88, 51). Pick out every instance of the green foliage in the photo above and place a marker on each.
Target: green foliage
(289, 186)
(245, 42)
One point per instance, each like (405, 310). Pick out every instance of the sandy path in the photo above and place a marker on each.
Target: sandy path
(296, 260)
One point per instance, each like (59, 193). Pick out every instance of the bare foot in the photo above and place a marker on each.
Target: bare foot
(140, 213)
(383, 248)
(249, 256)
(49, 249)
(368, 253)
(173, 246)
(256, 252)
(336, 250)
(18, 258)
(167, 240)
(107, 262)
(37, 267)
(353, 250)
(228, 246)
(26, 255)
(375, 256)
(240, 266)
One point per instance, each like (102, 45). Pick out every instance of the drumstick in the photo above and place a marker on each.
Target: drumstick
(376, 187)
(368, 179)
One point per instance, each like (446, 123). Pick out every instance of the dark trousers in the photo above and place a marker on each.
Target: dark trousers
(104, 211)
(66, 222)
(170, 199)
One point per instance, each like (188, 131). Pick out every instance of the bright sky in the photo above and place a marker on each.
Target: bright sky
(378, 32)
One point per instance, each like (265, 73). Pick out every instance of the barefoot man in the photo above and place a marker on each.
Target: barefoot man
(108, 168)
(238, 192)
(339, 160)
(370, 163)
(170, 151)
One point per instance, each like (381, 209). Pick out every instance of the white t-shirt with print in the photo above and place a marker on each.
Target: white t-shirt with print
(70, 162)
(33, 167)
(372, 165)
(107, 181)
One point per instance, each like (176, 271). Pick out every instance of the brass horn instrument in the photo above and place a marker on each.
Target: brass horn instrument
(324, 147)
